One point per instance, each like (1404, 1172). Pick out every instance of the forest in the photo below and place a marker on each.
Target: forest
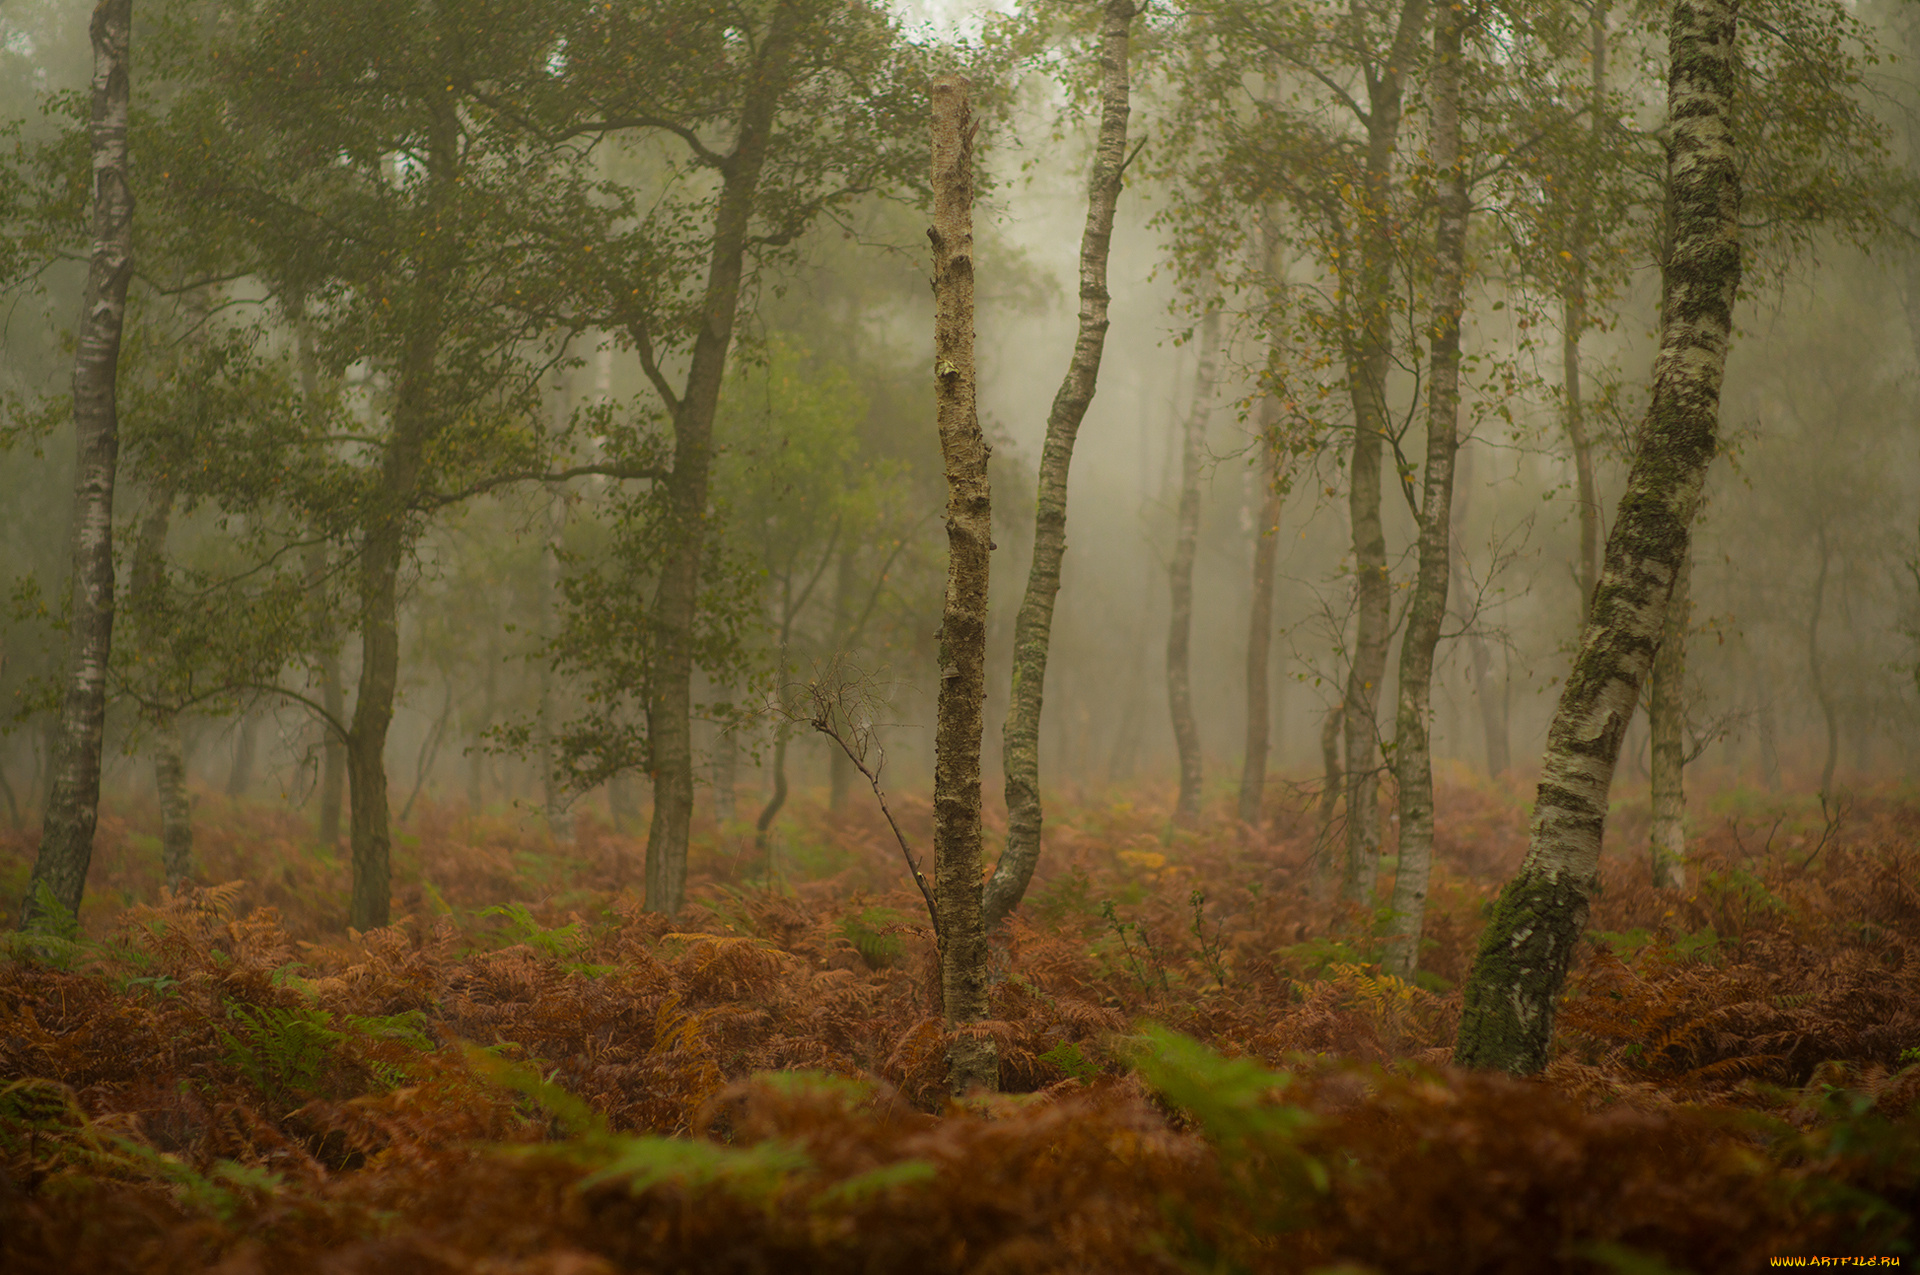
(1035, 636)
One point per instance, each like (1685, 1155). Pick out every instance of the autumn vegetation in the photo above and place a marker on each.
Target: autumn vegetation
(1201, 1066)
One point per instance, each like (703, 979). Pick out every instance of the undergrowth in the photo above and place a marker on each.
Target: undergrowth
(1203, 1066)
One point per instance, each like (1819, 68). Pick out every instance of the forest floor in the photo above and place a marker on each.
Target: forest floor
(1202, 1066)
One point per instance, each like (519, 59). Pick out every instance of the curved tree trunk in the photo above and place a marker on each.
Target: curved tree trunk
(971, 1058)
(670, 696)
(1186, 543)
(1033, 627)
(1413, 754)
(1666, 721)
(1507, 1021)
(73, 805)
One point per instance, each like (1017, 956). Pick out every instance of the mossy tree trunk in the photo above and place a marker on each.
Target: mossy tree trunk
(1507, 1020)
(1033, 626)
(73, 804)
(971, 1056)
(1413, 752)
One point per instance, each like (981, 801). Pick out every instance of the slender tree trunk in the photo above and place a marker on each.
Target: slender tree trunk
(169, 754)
(840, 771)
(553, 798)
(1330, 787)
(1186, 542)
(971, 1061)
(670, 696)
(246, 745)
(1507, 1020)
(1369, 358)
(1817, 670)
(763, 826)
(1266, 544)
(1033, 627)
(73, 806)
(1493, 716)
(1666, 722)
(1573, 324)
(333, 698)
(726, 771)
(1413, 754)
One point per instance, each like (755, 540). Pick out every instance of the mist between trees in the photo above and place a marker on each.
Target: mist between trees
(572, 413)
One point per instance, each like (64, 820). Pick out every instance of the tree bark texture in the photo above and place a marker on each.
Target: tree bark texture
(1266, 550)
(1507, 1020)
(1666, 720)
(1186, 543)
(971, 1060)
(1369, 356)
(73, 805)
(670, 696)
(1033, 626)
(1413, 753)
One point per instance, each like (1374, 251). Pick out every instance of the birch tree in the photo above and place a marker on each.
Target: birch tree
(1525, 951)
(1033, 626)
(66, 837)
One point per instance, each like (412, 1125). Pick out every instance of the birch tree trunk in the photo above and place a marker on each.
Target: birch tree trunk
(1413, 755)
(1507, 1021)
(1186, 542)
(73, 805)
(670, 697)
(1573, 324)
(1033, 626)
(1666, 719)
(1368, 361)
(971, 1060)
(1253, 765)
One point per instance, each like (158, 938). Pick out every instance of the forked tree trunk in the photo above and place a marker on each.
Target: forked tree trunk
(1186, 543)
(1413, 754)
(73, 804)
(1507, 1021)
(1666, 721)
(676, 599)
(1369, 357)
(971, 1056)
(1266, 545)
(1033, 627)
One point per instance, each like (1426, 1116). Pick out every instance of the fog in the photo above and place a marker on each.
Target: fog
(1806, 590)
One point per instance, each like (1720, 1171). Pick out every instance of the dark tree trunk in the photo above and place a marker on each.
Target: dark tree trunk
(73, 805)
(1507, 1021)
(1033, 627)
(670, 696)
(169, 753)
(971, 1057)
